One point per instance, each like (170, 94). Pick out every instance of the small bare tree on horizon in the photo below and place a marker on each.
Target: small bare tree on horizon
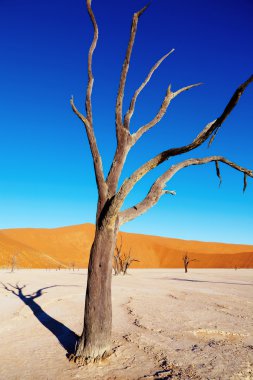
(73, 265)
(95, 341)
(186, 261)
(13, 262)
(2, 261)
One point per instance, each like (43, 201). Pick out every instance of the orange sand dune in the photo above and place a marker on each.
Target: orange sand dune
(60, 247)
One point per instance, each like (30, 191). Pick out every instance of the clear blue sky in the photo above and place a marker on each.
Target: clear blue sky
(46, 177)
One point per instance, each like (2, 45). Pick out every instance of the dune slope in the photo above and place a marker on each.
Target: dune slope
(69, 246)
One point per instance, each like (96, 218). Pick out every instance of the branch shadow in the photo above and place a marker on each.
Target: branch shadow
(210, 282)
(66, 337)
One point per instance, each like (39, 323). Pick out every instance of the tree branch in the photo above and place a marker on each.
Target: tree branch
(97, 161)
(123, 135)
(157, 189)
(131, 109)
(127, 141)
(80, 115)
(129, 183)
(230, 106)
(88, 120)
(90, 56)
(162, 111)
(122, 83)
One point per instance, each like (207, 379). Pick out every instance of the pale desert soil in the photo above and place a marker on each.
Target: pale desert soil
(166, 325)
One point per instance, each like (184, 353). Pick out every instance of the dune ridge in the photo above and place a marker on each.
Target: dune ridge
(67, 246)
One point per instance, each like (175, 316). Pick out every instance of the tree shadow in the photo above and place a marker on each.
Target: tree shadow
(66, 337)
(210, 282)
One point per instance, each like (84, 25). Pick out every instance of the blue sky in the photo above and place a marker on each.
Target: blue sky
(46, 177)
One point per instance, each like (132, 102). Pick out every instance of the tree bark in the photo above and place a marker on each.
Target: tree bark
(95, 341)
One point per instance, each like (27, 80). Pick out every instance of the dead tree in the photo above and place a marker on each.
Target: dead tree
(127, 261)
(2, 261)
(13, 263)
(117, 259)
(95, 340)
(121, 261)
(73, 265)
(186, 261)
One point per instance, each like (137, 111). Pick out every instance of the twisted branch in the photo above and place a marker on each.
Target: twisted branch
(129, 183)
(123, 135)
(162, 111)
(123, 77)
(157, 189)
(90, 56)
(88, 120)
(131, 109)
(229, 108)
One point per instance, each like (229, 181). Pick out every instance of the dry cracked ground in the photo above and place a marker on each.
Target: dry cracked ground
(166, 325)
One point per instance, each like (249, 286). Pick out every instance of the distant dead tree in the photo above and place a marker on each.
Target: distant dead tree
(186, 261)
(73, 265)
(2, 261)
(127, 261)
(13, 262)
(117, 262)
(95, 341)
(122, 261)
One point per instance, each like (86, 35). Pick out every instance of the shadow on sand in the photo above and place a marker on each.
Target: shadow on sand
(210, 282)
(66, 337)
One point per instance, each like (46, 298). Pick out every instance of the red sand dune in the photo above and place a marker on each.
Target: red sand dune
(51, 248)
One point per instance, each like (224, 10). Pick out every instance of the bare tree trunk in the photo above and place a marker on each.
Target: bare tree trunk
(95, 341)
(185, 268)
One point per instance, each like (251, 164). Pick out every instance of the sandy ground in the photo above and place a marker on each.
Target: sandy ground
(166, 325)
